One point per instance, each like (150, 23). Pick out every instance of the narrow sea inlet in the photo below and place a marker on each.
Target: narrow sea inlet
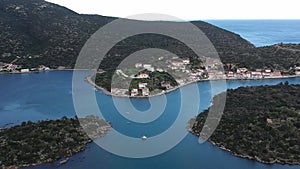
(48, 95)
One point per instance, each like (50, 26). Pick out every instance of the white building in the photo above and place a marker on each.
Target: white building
(180, 81)
(230, 74)
(143, 76)
(114, 90)
(134, 92)
(159, 70)
(268, 70)
(248, 75)
(242, 70)
(138, 65)
(175, 63)
(266, 74)
(142, 85)
(167, 85)
(186, 61)
(147, 66)
(256, 74)
(24, 70)
(174, 67)
(145, 91)
(277, 73)
(161, 58)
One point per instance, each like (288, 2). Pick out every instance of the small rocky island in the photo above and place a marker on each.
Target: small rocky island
(259, 123)
(47, 141)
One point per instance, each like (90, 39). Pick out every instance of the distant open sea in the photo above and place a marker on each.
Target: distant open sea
(263, 32)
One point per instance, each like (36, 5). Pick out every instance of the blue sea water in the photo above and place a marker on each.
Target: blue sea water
(48, 95)
(263, 32)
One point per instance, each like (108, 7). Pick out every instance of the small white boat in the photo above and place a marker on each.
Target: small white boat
(64, 161)
(144, 138)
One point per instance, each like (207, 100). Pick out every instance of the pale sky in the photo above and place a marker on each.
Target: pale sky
(189, 9)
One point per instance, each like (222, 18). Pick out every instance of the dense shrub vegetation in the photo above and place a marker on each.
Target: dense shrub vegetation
(45, 141)
(261, 123)
(38, 32)
(154, 81)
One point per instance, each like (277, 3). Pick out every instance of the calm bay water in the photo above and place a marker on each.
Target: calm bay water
(48, 96)
(263, 32)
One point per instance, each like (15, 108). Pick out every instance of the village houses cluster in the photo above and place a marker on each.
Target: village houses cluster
(174, 64)
(213, 70)
(297, 70)
(13, 68)
(244, 73)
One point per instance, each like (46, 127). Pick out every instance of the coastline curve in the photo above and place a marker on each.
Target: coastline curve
(95, 50)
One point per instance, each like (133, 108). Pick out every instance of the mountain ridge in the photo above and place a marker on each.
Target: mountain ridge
(43, 33)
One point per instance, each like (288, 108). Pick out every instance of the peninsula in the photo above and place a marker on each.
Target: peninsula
(146, 80)
(48, 141)
(259, 123)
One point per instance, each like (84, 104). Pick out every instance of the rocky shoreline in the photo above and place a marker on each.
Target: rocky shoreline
(89, 80)
(73, 137)
(251, 129)
(220, 146)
